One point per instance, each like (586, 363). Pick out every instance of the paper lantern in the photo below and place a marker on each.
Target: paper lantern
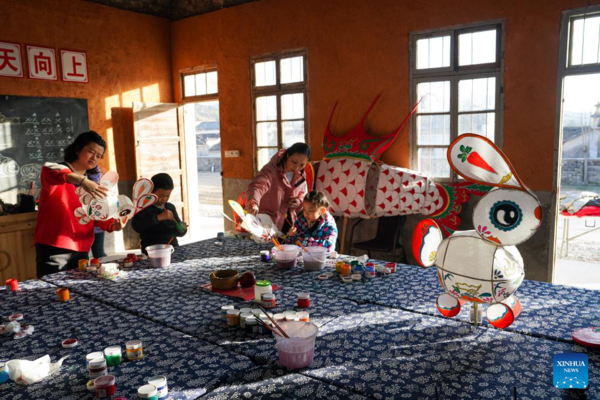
(483, 265)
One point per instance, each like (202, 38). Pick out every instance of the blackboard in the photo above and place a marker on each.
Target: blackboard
(34, 130)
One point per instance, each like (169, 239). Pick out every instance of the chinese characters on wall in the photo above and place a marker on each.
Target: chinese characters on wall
(42, 63)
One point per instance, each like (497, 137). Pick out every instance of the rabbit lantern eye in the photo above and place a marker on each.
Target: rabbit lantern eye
(507, 216)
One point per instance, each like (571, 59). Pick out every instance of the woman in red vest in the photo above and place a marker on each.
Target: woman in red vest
(60, 240)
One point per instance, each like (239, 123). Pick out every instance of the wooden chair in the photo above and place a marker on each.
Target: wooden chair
(387, 238)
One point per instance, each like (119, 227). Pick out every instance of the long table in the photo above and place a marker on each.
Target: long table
(379, 338)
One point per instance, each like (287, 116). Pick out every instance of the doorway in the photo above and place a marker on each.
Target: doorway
(203, 151)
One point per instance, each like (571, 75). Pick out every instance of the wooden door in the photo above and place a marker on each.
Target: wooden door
(160, 147)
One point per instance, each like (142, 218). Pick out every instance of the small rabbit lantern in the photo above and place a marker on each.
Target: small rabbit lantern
(482, 266)
(114, 205)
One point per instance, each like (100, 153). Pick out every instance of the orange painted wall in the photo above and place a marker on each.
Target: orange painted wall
(128, 59)
(358, 49)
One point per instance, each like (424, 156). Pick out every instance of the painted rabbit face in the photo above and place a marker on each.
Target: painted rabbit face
(508, 215)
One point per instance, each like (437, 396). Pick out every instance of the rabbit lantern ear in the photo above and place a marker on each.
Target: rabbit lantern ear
(142, 187)
(477, 159)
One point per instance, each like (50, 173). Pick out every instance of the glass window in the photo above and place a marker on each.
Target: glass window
(200, 84)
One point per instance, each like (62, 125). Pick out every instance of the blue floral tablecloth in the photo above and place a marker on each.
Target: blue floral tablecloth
(379, 338)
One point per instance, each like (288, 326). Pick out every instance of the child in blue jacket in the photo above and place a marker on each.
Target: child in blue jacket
(316, 226)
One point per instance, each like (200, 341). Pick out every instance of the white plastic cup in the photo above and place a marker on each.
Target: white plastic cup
(299, 350)
(160, 255)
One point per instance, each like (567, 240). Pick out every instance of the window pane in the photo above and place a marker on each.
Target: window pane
(264, 73)
(189, 87)
(577, 44)
(293, 132)
(292, 106)
(590, 40)
(477, 48)
(263, 156)
(200, 84)
(433, 53)
(434, 162)
(433, 129)
(266, 134)
(212, 84)
(482, 124)
(477, 94)
(435, 96)
(266, 108)
(292, 69)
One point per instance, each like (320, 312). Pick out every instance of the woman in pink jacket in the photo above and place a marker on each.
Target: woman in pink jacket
(280, 186)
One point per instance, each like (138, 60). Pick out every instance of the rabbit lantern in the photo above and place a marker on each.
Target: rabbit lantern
(114, 205)
(482, 266)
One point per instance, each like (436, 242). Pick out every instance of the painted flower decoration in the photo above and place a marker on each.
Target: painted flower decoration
(483, 231)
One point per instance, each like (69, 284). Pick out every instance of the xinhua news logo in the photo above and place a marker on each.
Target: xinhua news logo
(571, 371)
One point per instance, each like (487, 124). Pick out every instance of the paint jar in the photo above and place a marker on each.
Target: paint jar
(359, 269)
(391, 266)
(63, 294)
(224, 310)
(303, 316)
(233, 317)
(90, 385)
(132, 257)
(265, 322)
(292, 317)
(95, 262)
(127, 262)
(347, 279)
(379, 268)
(257, 312)
(92, 356)
(243, 318)
(370, 272)
(113, 355)
(83, 264)
(279, 317)
(261, 288)
(148, 392)
(338, 266)
(303, 300)
(12, 285)
(345, 270)
(160, 382)
(245, 310)
(268, 300)
(354, 263)
(252, 325)
(97, 367)
(356, 277)
(105, 386)
(3, 373)
(264, 255)
(69, 343)
(134, 350)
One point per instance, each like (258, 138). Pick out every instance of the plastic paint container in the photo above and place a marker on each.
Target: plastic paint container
(303, 300)
(356, 277)
(224, 310)
(347, 279)
(12, 285)
(369, 272)
(391, 266)
(160, 255)
(279, 317)
(3, 373)
(113, 355)
(252, 325)
(268, 300)
(15, 317)
(63, 294)
(69, 343)
(233, 317)
(90, 385)
(127, 262)
(160, 382)
(243, 318)
(289, 312)
(304, 316)
(97, 367)
(134, 350)
(345, 270)
(291, 317)
(95, 262)
(264, 255)
(148, 392)
(261, 288)
(256, 312)
(105, 386)
(338, 266)
(245, 310)
(83, 264)
(265, 321)
(92, 356)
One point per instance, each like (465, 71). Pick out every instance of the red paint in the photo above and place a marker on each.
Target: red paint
(304, 300)
(12, 285)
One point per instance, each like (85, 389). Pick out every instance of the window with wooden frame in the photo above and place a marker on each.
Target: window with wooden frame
(199, 84)
(457, 74)
(279, 102)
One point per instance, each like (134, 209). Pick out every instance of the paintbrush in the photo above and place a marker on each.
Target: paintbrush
(167, 245)
(285, 335)
(299, 243)
(261, 322)
(276, 243)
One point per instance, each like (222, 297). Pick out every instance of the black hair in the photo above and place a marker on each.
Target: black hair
(296, 148)
(162, 181)
(317, 198)
(71, 153)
